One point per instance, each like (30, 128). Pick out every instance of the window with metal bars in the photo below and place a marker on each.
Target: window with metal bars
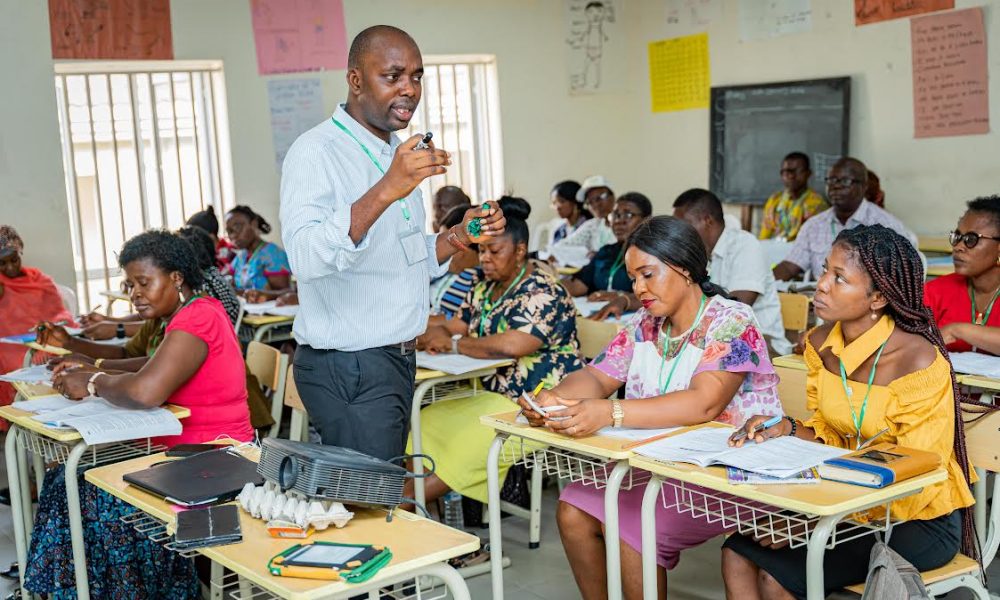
(145, 145)
(461, 106)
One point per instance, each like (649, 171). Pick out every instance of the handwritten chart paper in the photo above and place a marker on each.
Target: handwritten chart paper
(111, 29)
(299, 35)
(678, 73)
(296, 107)
(761, 20)
(874, 11)
(688, 15)
(950, 74)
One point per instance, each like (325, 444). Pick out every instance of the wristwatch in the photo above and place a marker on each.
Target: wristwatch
(91, 387)
(617, 413)
(454, 342)
(120, 331)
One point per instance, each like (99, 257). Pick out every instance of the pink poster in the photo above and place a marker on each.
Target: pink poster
(950, 74)
(299, 35)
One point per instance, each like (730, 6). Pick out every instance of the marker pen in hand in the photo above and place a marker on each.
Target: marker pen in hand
(742, 435)
(425, 142)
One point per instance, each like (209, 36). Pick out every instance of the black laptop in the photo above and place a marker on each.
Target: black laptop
(205, 478)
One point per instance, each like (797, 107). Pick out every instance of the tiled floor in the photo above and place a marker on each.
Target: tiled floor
(534, 574)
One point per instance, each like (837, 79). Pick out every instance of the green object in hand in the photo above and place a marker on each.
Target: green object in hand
(475, 226)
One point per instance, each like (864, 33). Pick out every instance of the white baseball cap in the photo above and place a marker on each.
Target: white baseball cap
(594, 181)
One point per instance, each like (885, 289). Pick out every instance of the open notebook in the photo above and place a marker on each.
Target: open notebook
(99, 421)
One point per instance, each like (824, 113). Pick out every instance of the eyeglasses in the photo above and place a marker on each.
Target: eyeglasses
(795, 171)
(623, 215)
(599, 198)
(842, 181)
(969, 238)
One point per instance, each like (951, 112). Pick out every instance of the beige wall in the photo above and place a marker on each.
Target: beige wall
(547, 134)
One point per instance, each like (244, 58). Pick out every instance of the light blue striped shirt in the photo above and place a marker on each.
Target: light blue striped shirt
(360, 296)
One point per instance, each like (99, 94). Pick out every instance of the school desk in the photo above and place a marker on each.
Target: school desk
(436, 386)
(937, 244)
(114, 296)
(568, 270)
(419, 546)
(65, 447)
(265, 326)
(940, 270)
(597, 460)
(814, 516)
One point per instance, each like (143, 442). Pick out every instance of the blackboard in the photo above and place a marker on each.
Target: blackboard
(754, 126)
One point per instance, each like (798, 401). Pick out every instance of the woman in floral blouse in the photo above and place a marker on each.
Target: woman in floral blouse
(689, 356)
(517, 312)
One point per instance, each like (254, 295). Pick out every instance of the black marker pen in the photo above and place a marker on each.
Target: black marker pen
(424, 143)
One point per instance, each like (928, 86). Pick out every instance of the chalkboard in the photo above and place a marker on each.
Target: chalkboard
(754, 126)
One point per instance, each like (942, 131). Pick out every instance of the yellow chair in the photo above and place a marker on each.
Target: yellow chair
(594, 335)
(299, 429)
(270, 367)
(794, 311)
(982, 439)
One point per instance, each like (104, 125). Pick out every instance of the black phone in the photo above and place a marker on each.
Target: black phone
(182, 450)
(881, 456)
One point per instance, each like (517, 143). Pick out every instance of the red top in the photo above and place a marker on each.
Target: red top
(224, 255)
(948, 298)
(217, 392)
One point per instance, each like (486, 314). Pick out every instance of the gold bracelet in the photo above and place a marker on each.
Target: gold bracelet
(98, 362)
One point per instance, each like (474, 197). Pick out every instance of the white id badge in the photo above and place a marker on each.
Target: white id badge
(414, 246)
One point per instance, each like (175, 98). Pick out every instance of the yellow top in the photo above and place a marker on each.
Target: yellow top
(918, 410)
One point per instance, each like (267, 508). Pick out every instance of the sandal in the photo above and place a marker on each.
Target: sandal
(473, 558)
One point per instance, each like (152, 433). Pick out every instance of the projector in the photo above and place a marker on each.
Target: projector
(331, 473)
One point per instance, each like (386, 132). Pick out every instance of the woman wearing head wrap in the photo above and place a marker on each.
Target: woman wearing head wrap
(27, 297)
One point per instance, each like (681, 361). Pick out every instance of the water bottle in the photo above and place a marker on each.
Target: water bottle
(453, 516)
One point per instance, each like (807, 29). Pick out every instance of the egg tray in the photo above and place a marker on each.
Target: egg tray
(269, 503)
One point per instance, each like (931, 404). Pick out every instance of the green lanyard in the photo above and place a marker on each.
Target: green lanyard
(666, 342)
(981, 318)
(616, 266)
(860, 418)
(158, 338)
(378, 165)
(488, 306)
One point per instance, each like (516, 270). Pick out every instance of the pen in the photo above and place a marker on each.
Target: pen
(538, 388)
(742, 435)
(424, 143)
(41, 328)
(872, 438)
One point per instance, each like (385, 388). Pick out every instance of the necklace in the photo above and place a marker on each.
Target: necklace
(616, 266)
(489, 305)
(860, 418)
(157, 339)
(979, 318)
(663, 385)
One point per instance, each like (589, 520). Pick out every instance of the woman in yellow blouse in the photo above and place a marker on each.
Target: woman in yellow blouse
(876, 372)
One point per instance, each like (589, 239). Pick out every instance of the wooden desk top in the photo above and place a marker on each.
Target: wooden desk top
(790, 361)
(425, 374)
(596, 445)
(258, 320)
(415, 541)
(30, 391)
(49, 349)
(940, 270)
(822, 499)
(934, 243)
(568, 270)
(22, 419)
(979, 381)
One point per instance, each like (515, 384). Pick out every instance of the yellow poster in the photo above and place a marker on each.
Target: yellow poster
(678, 73)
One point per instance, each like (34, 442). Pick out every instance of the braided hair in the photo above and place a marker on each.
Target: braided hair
(895, 269)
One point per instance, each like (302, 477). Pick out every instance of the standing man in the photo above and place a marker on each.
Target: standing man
(785, 211)
(845, 187)
(353, 226)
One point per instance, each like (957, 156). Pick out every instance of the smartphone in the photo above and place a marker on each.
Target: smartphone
(880, 456)
(182, 450)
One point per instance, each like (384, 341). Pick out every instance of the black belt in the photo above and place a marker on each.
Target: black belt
(404, 348)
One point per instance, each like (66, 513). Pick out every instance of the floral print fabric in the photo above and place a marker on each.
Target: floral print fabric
(726, 338)
(539, 306)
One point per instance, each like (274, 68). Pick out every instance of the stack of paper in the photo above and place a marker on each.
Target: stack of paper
(781, 457)
(271, 308)
(456, 364)
(34, 375)
(99, 421)
(974, 363)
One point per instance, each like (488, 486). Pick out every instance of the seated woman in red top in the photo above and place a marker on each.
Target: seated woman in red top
(27, 296)
(963, 303)
(196, 363)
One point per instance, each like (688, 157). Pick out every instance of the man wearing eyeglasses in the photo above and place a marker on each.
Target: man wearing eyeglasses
(785, 211)
(845, 188)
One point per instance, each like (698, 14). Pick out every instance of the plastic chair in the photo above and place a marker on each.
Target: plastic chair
(794, 311)
(270, 367)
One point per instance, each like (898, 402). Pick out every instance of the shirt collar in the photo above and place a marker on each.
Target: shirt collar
(369, 139)
(862, 215)
(731, 228)
(858, 351)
